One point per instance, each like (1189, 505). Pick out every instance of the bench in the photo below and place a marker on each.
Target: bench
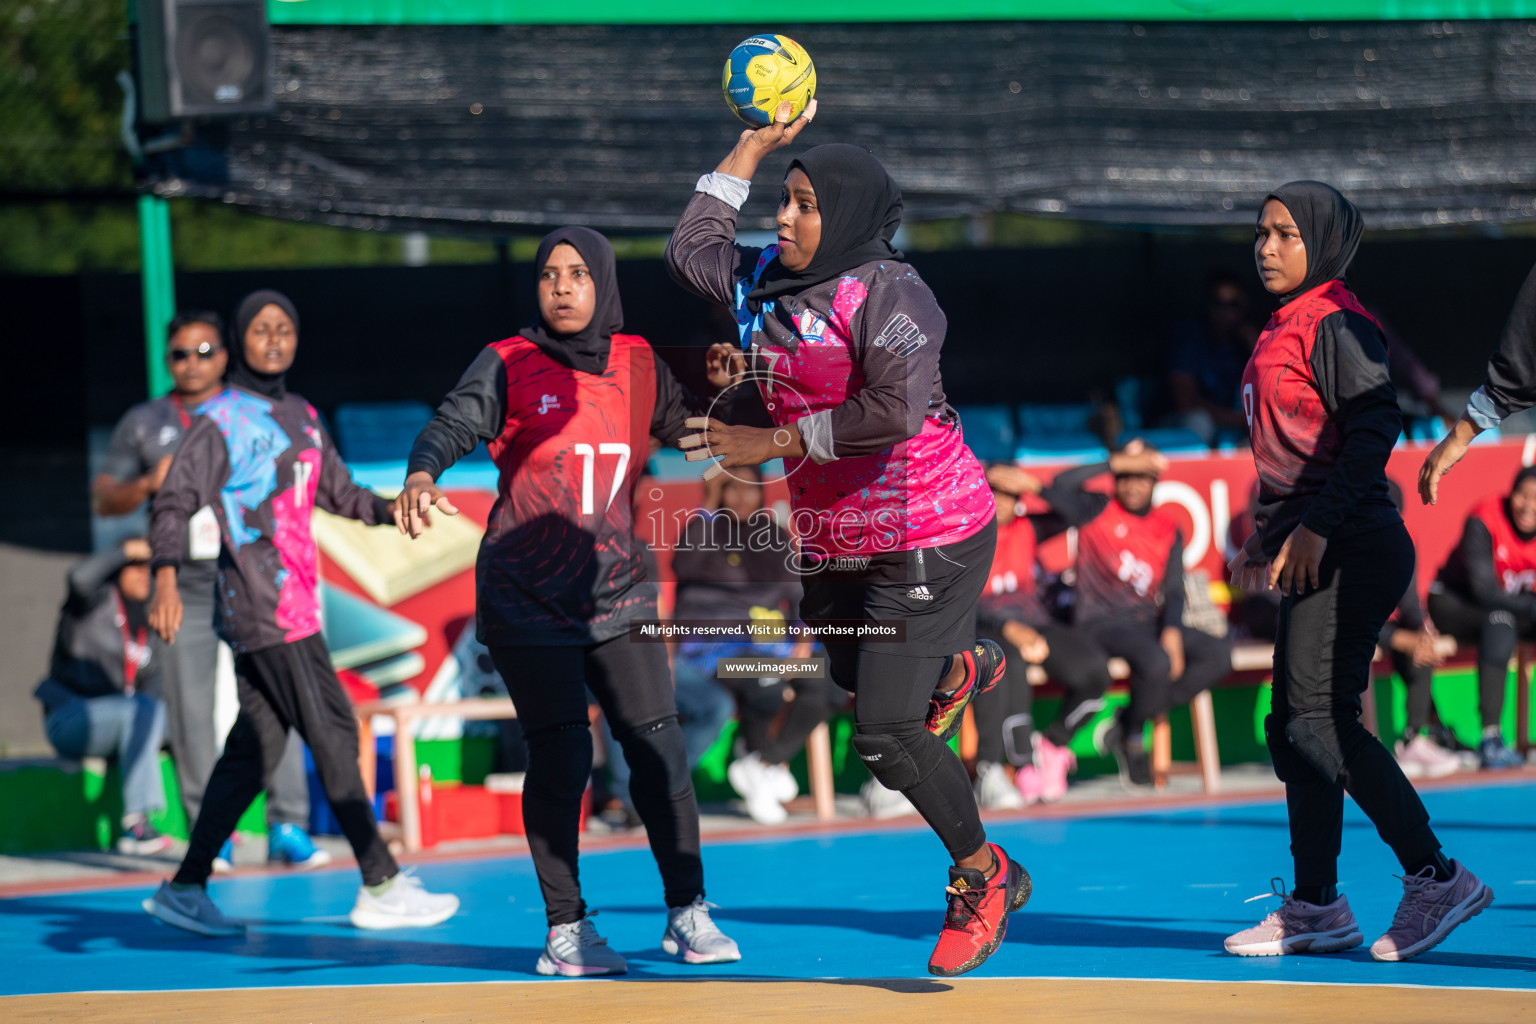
(818, 754)
(1252, 663)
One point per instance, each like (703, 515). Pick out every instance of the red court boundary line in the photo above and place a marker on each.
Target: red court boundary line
(1130, 804)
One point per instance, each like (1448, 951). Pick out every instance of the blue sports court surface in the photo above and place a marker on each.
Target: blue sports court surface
(1143, 895)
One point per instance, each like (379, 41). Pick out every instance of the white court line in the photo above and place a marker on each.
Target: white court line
(1213, 885)
(758, 979)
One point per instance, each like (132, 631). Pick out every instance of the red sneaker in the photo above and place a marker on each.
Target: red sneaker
(978, 914)
(983, 668)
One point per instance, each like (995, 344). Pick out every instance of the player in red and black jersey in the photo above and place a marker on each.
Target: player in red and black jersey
(1011, 613)
(1130, 597)
(1484, 596)
(568, 407)
(1322, 418)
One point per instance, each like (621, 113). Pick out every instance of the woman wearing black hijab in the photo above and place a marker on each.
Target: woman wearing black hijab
(568, 407)
(259, 456)
(1322, 418)
(892, 511)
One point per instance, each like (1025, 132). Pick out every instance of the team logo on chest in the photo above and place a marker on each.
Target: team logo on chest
(548, 403)
(811, 327)
(167, 434)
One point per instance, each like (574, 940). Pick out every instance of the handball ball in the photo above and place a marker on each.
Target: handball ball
(763, 72)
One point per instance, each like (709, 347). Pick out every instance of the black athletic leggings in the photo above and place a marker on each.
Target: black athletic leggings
(892, 682)
(1206, 660)
(633, 686)
(1004, 715)
(759, 703)
(1323, 650)
(1495, 631)
(290, 685)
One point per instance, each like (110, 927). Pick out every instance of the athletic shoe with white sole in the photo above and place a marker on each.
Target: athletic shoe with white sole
(995, 791)
(1421, 757)
(191, 910)
(575, 950)
(141, 839)
(1054, 764)
(692, 934)
(1430, 911)
(224, 860)
(759, 788)
(405, 904)
(1298, 927)
(289, 844)
(785, 788)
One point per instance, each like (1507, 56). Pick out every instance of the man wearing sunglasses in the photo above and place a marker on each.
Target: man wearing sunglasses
(140, 453)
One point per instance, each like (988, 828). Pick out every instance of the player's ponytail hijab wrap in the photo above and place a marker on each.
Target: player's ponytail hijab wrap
(860, 211)
(587, 349)
(239, 374)
(1330, 227)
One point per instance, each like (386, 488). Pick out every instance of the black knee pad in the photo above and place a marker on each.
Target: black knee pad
(1017, 733)
(899, 760)
(1315, 749)
(657, 756)
(1290, 766)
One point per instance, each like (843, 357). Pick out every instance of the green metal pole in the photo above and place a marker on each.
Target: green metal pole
(157, 278)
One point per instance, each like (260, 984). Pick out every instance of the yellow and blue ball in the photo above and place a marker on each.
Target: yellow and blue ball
(764, 71)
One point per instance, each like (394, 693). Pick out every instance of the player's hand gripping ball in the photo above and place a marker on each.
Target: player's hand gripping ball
(763, 72)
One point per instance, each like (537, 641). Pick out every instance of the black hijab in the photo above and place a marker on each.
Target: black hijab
(1330, 227)
(860, 212)
(587, 349)
(240, 374)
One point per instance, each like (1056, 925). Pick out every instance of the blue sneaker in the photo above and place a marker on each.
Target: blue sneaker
(1495, 755)
(224, 863)
(290, 844)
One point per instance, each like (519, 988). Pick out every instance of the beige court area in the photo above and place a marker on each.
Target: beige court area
(715, 1002)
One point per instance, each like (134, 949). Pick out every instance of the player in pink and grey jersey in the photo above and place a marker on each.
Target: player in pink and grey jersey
(893, 512)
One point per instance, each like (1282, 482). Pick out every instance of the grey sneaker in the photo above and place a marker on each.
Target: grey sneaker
(190, 910)
(575, 950)
(1298, 927)
(1429, 911)
(694, 934)
(405, 904)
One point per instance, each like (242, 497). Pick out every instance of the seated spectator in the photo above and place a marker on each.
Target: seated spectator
(1209, 353)
(1483, 596)
(101, 695)
(734, 564)
(1130, 597)
(1010, 612)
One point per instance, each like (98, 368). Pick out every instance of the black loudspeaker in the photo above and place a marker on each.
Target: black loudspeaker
(204, 58)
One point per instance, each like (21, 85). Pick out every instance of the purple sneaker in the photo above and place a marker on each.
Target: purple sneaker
(1298, 927)
(1429, 911)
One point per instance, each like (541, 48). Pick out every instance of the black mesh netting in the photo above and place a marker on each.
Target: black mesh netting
(1422, 123)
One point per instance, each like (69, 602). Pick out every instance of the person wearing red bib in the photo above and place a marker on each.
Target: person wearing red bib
(1483, 596)
(1322, 419)
(1130, 598)
(568, 407)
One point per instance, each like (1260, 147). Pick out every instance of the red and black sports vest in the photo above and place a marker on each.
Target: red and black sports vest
(560, 564)
(1121, 561)
(1514, 558)
(1296, 442)
(1010, 591)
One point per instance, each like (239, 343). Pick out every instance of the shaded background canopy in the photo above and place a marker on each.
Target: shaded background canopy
(513, 128)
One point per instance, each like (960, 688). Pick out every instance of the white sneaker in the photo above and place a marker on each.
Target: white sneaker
(692, 933)
(575, 950)
(191, 910)
(884, 803)
(1421, 757)
(995, 791)
(405, 904)
(785, 788)
(756, 783)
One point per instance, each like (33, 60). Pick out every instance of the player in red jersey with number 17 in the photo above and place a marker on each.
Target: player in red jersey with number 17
(893, 512)
(568, 407)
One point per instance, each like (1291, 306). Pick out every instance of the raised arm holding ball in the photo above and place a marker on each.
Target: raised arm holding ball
(841, 338)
